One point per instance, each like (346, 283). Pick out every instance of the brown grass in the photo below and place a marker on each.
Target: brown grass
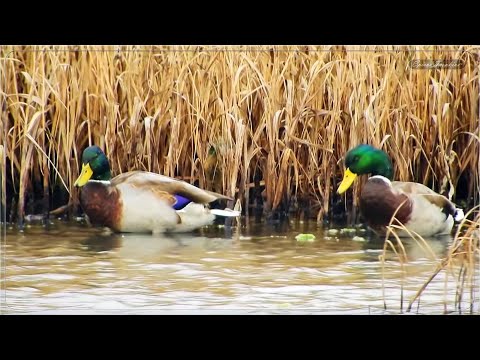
(460, 263)
(283, 115)
(3, 195)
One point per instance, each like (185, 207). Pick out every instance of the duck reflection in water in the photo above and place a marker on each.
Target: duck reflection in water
(148, 245)
(430, 247)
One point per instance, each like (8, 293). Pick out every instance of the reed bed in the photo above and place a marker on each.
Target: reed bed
(461, 263)
(266, 125)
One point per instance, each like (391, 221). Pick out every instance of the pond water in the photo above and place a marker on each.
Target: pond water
(251, 268)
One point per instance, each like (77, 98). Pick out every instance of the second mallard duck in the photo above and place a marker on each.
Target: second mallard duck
(420, 209)
(140, 201)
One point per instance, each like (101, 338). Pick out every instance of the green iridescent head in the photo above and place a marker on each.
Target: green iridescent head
(365, 159)
(95, 166)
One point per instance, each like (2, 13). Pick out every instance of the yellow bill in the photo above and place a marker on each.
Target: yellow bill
(348, 179)
(85, 175)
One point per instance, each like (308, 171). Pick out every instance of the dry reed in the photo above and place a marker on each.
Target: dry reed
(281, 115)
(460, 263)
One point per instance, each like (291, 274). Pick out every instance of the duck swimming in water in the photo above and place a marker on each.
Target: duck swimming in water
(420, 209)
(140, 201)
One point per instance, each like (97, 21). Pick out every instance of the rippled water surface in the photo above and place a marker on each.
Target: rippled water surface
(255, 268)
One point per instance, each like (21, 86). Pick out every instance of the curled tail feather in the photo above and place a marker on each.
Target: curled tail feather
(459, 215)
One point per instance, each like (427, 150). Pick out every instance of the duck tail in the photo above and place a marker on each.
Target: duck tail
(225, 212)
(451, 209)
(459, 215)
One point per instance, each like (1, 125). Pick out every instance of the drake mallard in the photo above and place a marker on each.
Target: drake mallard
(140, 201)
(423, 211)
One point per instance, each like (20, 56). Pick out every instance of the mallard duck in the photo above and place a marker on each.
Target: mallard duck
(420, 209)
(140, 201)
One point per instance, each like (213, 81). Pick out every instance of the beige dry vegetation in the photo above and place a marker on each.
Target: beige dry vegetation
(282, 115)
(460, 265)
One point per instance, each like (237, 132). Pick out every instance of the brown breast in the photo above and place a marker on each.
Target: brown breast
(378, 203)
(102, 204)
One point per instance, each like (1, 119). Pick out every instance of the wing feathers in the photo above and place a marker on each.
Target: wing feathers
(163, 184)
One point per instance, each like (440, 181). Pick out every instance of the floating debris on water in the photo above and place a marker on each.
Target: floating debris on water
(305, 237)
(332, 231)
(31, 218)
(348, 231)
(358, 238)
(270, 237)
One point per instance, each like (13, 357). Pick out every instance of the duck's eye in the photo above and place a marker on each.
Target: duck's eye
(356, 158)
